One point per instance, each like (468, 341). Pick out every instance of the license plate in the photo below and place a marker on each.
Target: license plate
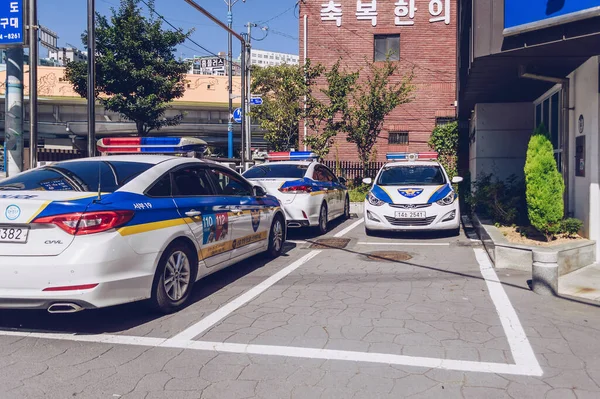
(411, 215)
(14, 235)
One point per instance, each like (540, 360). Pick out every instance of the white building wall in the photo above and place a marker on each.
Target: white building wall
(585, 191)
(499, 137)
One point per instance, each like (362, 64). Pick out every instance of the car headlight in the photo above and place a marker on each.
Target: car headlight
(373, 200)
(448, 199)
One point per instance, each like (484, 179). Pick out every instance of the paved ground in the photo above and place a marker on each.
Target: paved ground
(583, 283)
(322, 323)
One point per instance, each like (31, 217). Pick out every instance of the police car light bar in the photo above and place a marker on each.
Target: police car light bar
(291, 156)
(151, 145)
(405, 156)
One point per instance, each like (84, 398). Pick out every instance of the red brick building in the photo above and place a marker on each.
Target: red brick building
(422, 36)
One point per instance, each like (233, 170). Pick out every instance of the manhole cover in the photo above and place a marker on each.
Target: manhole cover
(330, 243)
(389, 256)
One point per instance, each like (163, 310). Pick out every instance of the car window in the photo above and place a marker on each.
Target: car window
(227, 183)
(162, 187)
(329, 175)
(422, 175)
(276, 171)
(322, 174)
(77, 176)
(191, 182)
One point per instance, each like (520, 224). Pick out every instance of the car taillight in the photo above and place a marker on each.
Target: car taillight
(78, 224)
(296, 189)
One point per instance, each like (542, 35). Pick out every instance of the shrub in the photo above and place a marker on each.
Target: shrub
(501, 201)
(444, 140)
(571, 226)
(544, 185)
(359, 193)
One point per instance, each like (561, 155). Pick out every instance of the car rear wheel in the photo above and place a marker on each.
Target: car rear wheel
(174, 278)
(323, 219)
(347, 208)
(276, 238)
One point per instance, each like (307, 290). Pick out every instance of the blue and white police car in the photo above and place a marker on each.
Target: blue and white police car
(412, 192)
(108, 230)
(309, 192)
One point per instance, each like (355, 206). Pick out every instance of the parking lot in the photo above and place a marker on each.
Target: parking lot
(340, 316)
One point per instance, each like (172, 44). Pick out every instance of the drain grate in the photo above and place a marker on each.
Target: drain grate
(330, 243)
(389, 256)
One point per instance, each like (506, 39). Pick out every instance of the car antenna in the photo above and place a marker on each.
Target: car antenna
(99, 182)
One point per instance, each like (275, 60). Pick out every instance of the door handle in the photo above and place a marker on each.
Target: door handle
(193, 213)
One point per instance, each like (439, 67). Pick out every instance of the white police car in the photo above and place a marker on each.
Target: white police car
(103, 231)
(309, 192)
(412, 192)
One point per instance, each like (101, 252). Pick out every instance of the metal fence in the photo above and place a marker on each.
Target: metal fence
(354, 171)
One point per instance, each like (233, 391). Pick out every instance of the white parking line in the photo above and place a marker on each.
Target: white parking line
(348, 229)
(408, 244)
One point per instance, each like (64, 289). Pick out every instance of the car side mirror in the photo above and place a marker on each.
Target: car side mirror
(457, 179)
(259, 191)
(368, 180)
(343, 180)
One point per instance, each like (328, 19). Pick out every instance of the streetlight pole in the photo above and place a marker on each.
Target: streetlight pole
(230, 4)
(33, 61)
(91, 80)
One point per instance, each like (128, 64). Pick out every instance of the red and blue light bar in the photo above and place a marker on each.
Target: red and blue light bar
(292, 156)
(406, 156)
(151, 145)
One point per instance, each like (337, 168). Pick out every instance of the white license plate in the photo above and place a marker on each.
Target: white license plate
(411, 215)
(14, 235)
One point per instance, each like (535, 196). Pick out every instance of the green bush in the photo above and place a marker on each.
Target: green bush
(571, 226)
(544, 185)
(444, 141)
(501, 201)
(359, 193)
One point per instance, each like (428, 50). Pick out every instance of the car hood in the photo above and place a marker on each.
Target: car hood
(411, 194)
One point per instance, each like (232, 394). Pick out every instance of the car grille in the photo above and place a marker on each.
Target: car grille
(410, 222)
(410, 206)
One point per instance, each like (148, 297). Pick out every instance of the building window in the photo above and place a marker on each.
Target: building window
(387, 45)
(547, 111)
(400, 138)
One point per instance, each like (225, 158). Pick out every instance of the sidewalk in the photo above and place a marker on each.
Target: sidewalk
(583, 283)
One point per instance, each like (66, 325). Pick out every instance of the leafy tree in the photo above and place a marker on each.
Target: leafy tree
(329, 117)
(444, 140)
(137, 74)
(372, 101)
(544, 185)
(283, 88)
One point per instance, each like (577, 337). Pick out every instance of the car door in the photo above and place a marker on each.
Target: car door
(324, 177)
(205, 213)
(249, 214)
(337, 191)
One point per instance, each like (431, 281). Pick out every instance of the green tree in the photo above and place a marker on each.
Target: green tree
(283, 88)
(544, 185)
(330, 116)
(444, 140)
(371, 102)
(137, 74)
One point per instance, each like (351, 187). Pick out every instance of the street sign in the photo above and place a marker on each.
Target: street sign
(12, 23)
(237, 115)
(256, 101)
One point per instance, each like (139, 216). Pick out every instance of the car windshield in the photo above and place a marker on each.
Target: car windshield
(409, 175)
(77, 176)
(274, 171)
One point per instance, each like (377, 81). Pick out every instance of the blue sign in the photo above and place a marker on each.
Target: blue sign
(520, 15)
(237, 115)
(256, 101)
(12, 31)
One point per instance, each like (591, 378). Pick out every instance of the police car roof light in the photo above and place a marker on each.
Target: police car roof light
(405, 156)
(151, 145)
(292, 156)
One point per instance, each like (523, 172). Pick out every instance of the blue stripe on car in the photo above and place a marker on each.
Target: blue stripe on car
(440, 193)
(381, 194)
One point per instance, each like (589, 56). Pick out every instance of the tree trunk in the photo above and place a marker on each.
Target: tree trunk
(141, 129)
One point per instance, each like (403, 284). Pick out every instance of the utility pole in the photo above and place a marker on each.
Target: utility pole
(13, 123)
(230, 4)
(91, 80)
(33, 63)
(248, 88)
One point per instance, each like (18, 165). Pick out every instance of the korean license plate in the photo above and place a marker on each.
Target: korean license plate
(14, 234)
(411, 215)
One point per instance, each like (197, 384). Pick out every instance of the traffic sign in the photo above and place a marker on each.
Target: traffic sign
(256, 101)
(12, 32)
(237, 115)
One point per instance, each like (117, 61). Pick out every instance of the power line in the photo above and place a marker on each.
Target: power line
(280, 14)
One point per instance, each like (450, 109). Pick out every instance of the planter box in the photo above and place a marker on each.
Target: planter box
(357, 207)
(506, 255)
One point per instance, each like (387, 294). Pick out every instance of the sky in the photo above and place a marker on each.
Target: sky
(68, 18)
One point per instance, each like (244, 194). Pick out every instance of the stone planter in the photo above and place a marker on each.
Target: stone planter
(357, 207)
(504, 254)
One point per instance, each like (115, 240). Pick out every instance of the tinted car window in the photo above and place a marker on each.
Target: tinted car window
(421, 175)
(191, 182)
(77, 176)
(322, 174)
(229, 184)
(276, 172)
(162, 188)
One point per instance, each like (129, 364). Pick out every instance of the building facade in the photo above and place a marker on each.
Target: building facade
(212, 65)
(526, 63)
(65, 55)
(420, 35)
(269, 58)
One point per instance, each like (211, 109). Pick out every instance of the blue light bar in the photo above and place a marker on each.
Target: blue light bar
(405, 156)
(151, 145)
(291, 156)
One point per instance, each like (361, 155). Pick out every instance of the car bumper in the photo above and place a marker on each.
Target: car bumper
(121, 275)
(303, 211)
(383, 218)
